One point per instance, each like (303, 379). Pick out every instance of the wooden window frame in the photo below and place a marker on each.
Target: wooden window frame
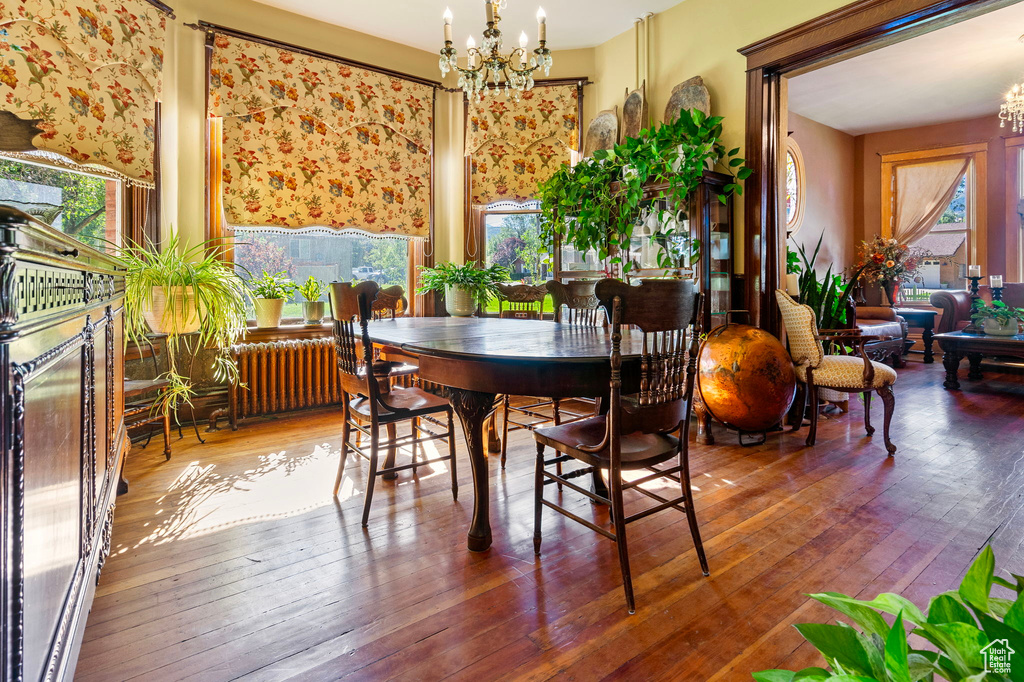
(1014, 197)
(977, 190)
(792, 148)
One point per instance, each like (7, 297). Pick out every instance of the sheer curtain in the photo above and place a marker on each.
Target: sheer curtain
(923, 191)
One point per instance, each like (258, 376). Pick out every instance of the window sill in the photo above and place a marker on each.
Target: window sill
(284, 332)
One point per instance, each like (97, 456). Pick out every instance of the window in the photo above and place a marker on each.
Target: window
(512, 240)
(795, 198)
(947, 244)
(329, 257)
(82, 205)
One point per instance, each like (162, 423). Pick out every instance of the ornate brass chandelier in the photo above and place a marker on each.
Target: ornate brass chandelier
(1012, 109)
(486, 64)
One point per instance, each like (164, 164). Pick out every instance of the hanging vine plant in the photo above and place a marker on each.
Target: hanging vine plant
(595, 204)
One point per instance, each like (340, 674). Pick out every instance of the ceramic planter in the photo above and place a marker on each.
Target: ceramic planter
(312, 312)
(268, 312)
(459, 302)
(994, 328)
(173, 311)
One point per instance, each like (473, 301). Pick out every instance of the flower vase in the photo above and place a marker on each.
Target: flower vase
(889, 289)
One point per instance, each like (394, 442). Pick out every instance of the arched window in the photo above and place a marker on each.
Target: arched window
(795, 186)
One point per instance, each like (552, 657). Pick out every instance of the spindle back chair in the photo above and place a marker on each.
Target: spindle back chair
(642, 430)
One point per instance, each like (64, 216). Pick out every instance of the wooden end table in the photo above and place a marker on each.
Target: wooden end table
(956, 345)
(924, 318)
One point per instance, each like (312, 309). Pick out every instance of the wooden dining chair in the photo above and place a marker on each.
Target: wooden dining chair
(642, 430)
(368, 397)
(521, 302)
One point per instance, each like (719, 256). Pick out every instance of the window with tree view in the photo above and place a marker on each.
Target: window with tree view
(947, 243)
(512, 238)
(329, 257)
(81, 205)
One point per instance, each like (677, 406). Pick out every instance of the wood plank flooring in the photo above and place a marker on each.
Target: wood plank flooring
(233, 561)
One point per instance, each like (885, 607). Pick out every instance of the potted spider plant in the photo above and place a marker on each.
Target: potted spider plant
(183, 293)
(465, 287)
(312, 307)
(269, 292)
(997, 319)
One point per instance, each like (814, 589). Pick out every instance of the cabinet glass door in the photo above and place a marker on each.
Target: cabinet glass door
(719, 257)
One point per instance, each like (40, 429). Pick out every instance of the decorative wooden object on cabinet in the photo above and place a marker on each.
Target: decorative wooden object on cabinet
(61, 344)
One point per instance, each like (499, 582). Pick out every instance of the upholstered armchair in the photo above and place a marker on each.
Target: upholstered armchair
(956, 305)
(845, 373)
(889, 329)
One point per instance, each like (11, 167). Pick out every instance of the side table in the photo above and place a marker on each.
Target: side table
(924, 318)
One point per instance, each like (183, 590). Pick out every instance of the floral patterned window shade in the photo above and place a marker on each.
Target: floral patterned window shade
(514, 146)
(90, 73)
(308, 141)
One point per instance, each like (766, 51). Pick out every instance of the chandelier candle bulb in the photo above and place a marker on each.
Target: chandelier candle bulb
(447, 25)
(542, 25)
(490, 11)
(995, 281)
(974, 271)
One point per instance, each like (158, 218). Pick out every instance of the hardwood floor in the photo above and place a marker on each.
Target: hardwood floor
(232, 560)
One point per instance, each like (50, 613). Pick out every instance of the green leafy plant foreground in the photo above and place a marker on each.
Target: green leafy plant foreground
(966, 629)
(595, 204)
(998, 311)
(481, 283)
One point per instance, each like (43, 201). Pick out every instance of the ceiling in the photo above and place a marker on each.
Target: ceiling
(952, 74)
(571, 23)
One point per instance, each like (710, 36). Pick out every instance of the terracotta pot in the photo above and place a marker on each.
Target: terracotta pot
(994, 328)
(313, 312)
(459, 302)
(268, 312)
(173, 311)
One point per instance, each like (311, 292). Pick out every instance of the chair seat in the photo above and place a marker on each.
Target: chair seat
(408, 402)
(847, 371)
(638, 450)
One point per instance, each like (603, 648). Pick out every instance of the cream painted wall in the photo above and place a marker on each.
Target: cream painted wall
(183, 125)
(699, 37)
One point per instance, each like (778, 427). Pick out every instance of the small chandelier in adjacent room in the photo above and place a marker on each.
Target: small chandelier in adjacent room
(1012, 109)
(486, 64)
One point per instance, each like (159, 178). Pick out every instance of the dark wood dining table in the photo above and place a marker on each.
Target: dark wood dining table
(480, 358)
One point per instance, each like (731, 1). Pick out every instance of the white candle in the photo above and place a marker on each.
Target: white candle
(974, 271)
(471, 57)
(447, 25)
(542, 26)
(490, 11)
(995, 281)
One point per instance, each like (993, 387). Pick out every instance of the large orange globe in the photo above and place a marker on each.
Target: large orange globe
(745, 377)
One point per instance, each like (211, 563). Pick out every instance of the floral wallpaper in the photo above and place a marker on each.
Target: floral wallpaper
(498, 171)
(91, 71)
(545, 111)
(514, 146)
(309, 141)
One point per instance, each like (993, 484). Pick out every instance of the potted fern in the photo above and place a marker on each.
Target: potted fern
(465, 287)
(269, 292)
(312, 307)
(184, 293)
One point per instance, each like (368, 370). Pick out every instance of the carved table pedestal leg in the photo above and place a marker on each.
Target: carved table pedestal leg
(926, 338)
(473, 407)
(951, 361)
(974, 373)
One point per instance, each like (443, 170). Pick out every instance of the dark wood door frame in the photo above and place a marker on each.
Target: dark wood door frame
(859, 27)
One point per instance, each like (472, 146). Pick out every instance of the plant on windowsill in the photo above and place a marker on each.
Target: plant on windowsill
(997, 319)
(597, 201)
(269, 292)
(465, 287)
(180, 292)
(312, 307)
(974, 636)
